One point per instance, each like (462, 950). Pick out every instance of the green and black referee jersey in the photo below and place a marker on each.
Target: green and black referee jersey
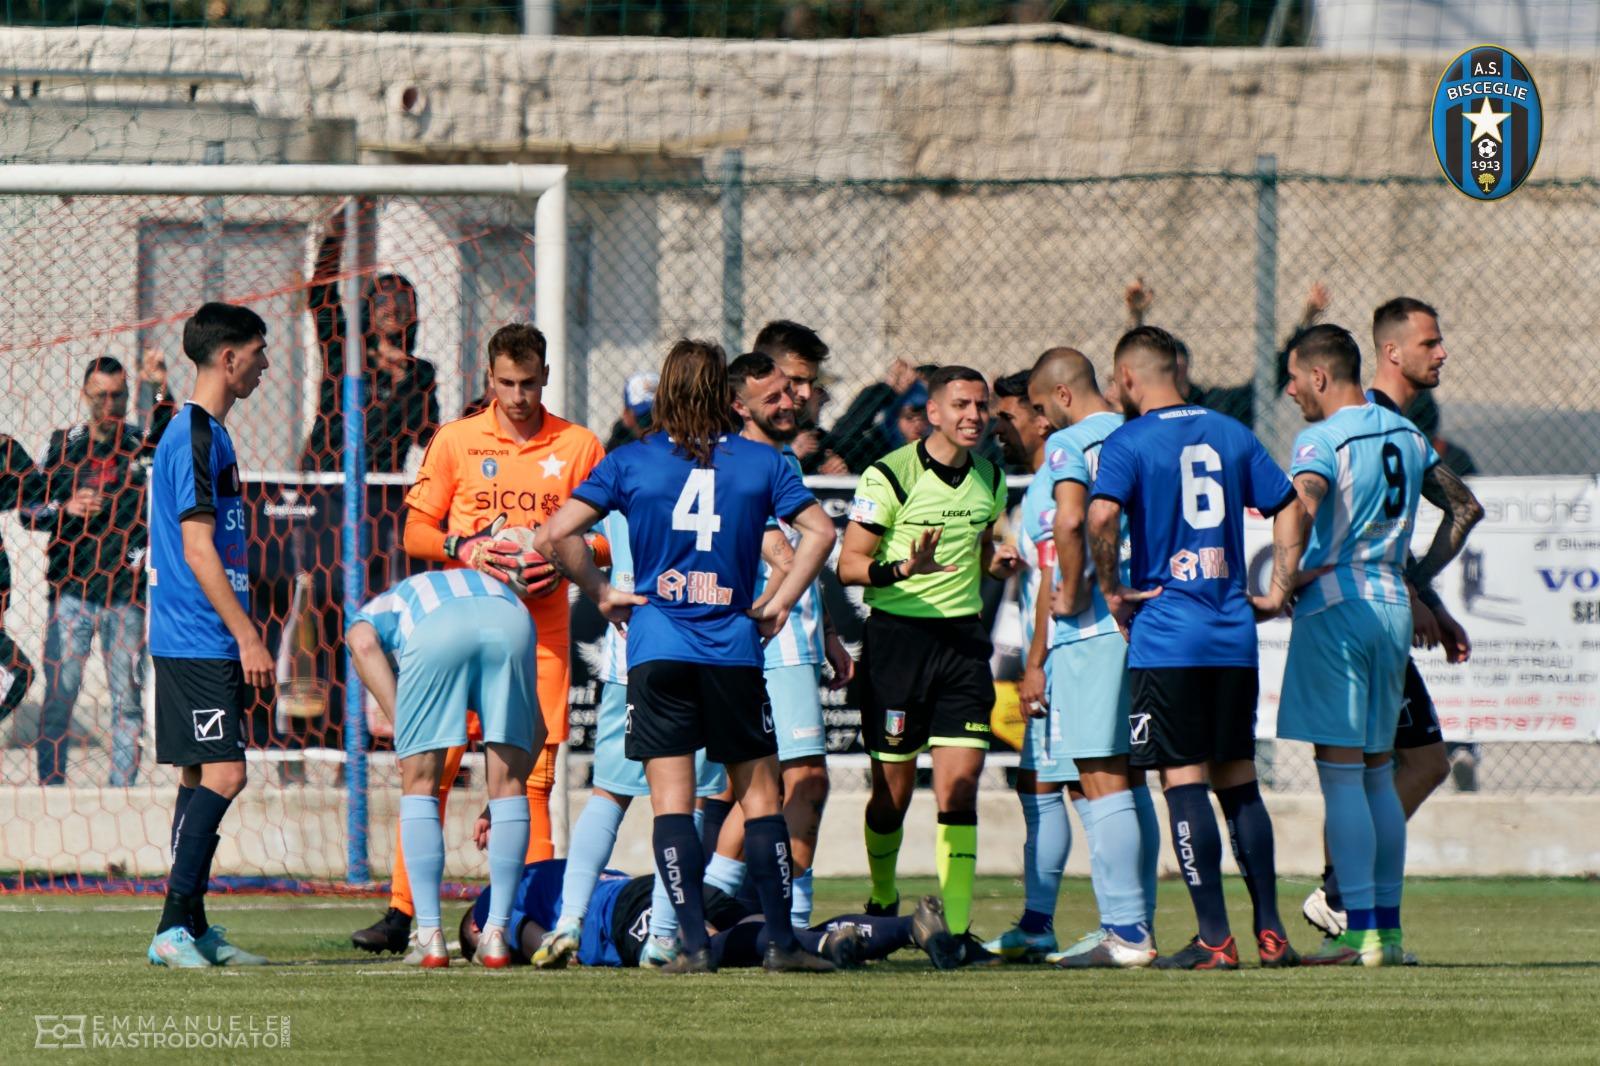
(924, 678)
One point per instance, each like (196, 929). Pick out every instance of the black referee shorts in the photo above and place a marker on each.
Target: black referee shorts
(923, 682)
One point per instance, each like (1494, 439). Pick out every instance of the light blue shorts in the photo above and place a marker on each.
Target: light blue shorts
(476, 653)
(1345, 676)
(795, 693)
(621, 776)
(1090, 694)
(1042, 746)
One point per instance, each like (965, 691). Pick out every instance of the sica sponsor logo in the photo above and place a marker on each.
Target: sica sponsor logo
(1487, 122)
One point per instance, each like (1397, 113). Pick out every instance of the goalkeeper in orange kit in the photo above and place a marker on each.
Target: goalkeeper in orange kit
(516, 459)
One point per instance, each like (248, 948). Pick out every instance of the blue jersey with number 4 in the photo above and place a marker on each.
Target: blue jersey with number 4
(1373, 461)
(696, 536)
(1184, 476)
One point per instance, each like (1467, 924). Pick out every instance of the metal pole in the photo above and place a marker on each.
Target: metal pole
(550, 287)
(1268, 423)
(212, 222)
(353, 556)
(538, 18)
(733, 252)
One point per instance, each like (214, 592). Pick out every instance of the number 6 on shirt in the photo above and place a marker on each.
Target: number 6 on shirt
(695, 512)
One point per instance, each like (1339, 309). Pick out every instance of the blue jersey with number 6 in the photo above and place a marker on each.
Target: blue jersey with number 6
(696, 537)
(1184, 476)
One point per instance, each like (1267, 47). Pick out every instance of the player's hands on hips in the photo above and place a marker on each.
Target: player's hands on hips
(617, 606)
(1457, 646)
(256, 662)
(480, 831)
(1004, 561)
(1030, 691)
(378, 724)
(771, 617)
(921, 560)
(844, 667)
(1266, 608)
(1124, 601)
(1424, 626)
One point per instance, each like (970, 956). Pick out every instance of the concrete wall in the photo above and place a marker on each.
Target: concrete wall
(299, 831)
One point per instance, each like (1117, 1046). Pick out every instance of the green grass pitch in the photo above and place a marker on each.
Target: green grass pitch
(1511, 974)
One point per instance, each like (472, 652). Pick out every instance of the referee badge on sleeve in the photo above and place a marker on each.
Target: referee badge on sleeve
(863, 510)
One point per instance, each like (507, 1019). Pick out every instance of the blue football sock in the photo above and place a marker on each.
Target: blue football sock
(508, 852)
(681, 867)
(1250, 829)
(593, 840)
(663, 915)
(1044, 854)
(1085, 811)
(800, 902)
(423, 840)
(766, 852)
(1389, 828)
(191, 858)
(1198, 846)
(1115, 858)
(712, 815)
(725, 874)
(185, 794)
(1351, 840)
(881, 935)
(1149, 848)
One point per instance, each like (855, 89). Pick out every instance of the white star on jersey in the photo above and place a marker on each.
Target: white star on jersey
(552, 466)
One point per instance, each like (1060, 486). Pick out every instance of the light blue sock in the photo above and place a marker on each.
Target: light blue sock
(593, 839)
(1086, 813)
(1114, 854)
(1389, 826)
(725, 874)
(508, 853)
(423, 840)
(800, 900)
(1149, 848)
(1352, 842)
(663, 915)
(1044, 853)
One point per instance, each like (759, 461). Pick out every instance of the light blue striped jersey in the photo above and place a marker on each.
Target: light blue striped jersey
(799, 643)
(614, 645)
(1073, 454)
(395, 613)
(1373, 460)
(1036, 543)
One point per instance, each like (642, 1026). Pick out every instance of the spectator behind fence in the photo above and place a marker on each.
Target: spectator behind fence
(879, 418)
(402, 407)
(799, 352)
(20, 486)
(638, 400)
(94, 510)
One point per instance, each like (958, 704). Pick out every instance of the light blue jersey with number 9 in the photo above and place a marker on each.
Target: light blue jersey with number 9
(695, 533)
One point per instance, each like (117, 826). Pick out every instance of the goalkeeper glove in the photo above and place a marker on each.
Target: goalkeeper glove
(479, 550)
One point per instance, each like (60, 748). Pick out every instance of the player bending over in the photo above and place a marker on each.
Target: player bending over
(1183, 475)
(207, 653)
(698, 499)
(921, 537)
(618, 934)
(462, 639)
(1089, 676)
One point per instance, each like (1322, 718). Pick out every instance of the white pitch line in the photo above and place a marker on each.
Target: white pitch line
(225, 906)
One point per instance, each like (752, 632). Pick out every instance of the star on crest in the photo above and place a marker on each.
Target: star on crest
(1485, 121)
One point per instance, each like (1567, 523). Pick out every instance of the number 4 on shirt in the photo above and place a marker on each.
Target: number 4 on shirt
(696, 509)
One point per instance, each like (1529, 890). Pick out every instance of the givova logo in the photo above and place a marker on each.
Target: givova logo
(1487, 122)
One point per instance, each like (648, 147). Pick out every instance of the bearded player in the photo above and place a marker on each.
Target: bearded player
(518, 459)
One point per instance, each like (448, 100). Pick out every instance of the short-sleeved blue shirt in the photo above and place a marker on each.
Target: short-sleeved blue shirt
(1184, 477)
(696, 536)
(195, 472)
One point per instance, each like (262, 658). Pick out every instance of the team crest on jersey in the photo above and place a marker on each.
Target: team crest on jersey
(894, 723)
(489, 467)
(1487, 122)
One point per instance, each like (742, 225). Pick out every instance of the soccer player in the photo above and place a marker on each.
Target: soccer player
(207, 653)
(617, 781)
(698, 498)
(1043, 770)
(800, 353)
(1192, 642)
(1089, 675)
(1410, 359)
(921, 537)
(462, 640)
(619, 936)
(765, 402)
(519, 459)
(1345, 674)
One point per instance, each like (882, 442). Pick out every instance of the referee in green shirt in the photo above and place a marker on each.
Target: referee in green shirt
(920, 538)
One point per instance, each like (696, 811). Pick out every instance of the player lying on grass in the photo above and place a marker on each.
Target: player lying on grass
(618, 929)
(462, 639)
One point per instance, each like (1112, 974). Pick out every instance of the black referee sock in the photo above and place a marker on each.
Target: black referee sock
(682, 866)
(766, 851)
(191, 860)
(713, 814)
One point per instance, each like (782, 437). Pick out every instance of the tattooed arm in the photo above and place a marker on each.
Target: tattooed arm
(1105, 545)
(1288, 545)
(1442, 488)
